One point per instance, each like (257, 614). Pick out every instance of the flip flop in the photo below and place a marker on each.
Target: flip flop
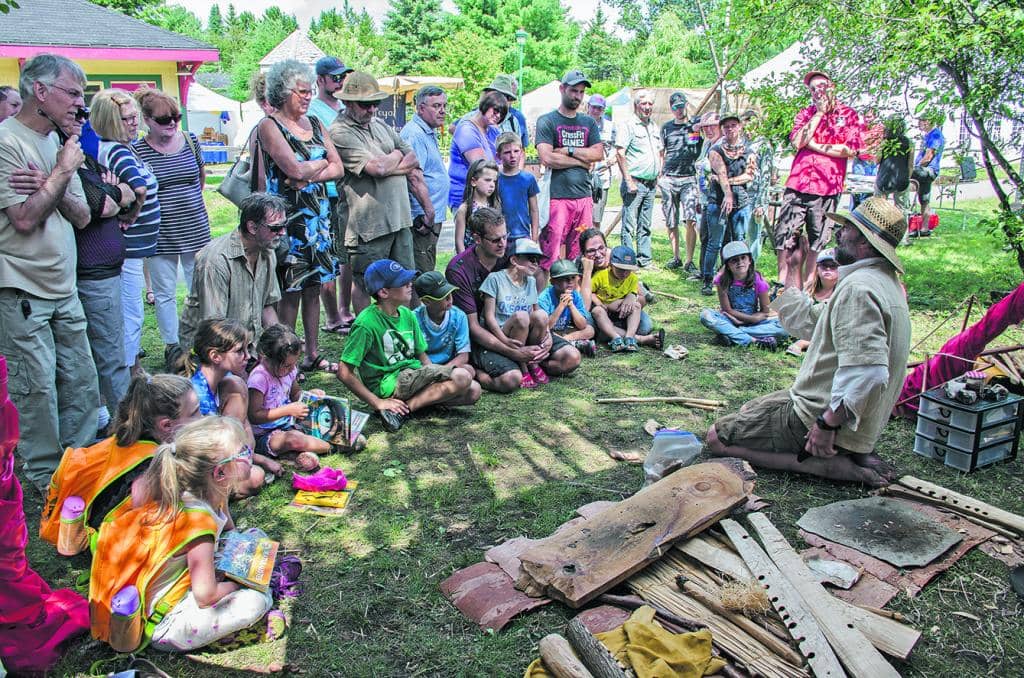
(318, 364)
(150, 297)
(341, 328)
(659, 342)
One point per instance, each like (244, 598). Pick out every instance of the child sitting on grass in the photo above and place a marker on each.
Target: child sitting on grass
(743, 295)
(385, 362)
(444, 326)
(567, 313)
(510, 310)
(819, 288)
(616, 307)
(275, 399)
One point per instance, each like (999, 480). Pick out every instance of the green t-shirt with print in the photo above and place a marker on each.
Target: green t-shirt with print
(380, 346)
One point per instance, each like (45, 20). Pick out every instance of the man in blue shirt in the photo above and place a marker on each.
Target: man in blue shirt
(421, 133)
(926, 167)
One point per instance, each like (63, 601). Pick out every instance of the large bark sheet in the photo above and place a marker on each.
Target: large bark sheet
(576, 565)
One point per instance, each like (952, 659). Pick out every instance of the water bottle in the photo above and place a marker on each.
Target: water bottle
(72, 537)
(672, 449)
(125, 620)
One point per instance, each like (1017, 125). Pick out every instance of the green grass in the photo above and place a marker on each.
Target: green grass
(435, 495)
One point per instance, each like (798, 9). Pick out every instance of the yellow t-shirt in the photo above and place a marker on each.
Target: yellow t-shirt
(608, 288)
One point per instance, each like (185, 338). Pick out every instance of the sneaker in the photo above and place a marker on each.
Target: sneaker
(913, 234)
(392, 422)
(587, 347)
(691, 269)
(707, 290)
(631, 345)
(766, 343)
(539, 375)
(528, 381)
(617, 345)
(674, 264)
(649, 297)
(925, 233)
(721, 340)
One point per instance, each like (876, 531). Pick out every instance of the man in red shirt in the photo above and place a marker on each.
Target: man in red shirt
(825, 134)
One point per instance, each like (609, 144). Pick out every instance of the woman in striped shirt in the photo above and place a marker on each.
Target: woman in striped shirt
(184, 226)
(115, 118)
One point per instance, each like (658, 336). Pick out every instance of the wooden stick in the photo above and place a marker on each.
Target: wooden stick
(991, 351)
(670, 296)
(1007, 364)
(686, 400)
(594, 655)
(967, 316)
(969, 504)
(558, 657)
(889, 614)
(634, 602)
(615, 222)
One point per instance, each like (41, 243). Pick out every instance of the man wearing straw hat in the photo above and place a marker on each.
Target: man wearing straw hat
(828, 422)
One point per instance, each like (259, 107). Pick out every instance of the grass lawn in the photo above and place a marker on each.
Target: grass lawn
(432, 497)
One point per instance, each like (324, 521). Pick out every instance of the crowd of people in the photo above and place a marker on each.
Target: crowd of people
(344, 223)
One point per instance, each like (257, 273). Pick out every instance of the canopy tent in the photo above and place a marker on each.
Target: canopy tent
(251, 114)
(408, 84)
(206, 108)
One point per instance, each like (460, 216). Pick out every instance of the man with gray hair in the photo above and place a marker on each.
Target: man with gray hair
(421, 134)
(638, 141)
(53, 379)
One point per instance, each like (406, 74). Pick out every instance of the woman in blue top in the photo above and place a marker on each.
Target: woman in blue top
(473, 139)
(297, 163)
(115, 118)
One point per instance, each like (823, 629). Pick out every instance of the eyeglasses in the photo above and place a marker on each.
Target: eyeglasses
(166, 119)
(303, 93)
(532, 258)
(73, 93)
(366, 105)
(338, 77)
(595, 250)
(495, 240)
(277, 226)
(244, 453)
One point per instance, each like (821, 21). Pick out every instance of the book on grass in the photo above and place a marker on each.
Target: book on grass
(331, 418)
(247, 558)
(330, 503)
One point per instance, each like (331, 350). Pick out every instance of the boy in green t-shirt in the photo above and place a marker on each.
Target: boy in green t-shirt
(385, 361)
(616, 307)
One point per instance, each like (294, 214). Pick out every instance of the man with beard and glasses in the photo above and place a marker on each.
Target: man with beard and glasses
(828, 422)
(568, 143)
(42, 324)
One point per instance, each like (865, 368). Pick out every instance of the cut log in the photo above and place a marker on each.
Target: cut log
(788, 603)
(969, 505)
(580, 564)
(594, 655)
(560, 660)
(856, 653)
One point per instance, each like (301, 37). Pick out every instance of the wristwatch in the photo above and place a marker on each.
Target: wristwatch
(824, 425)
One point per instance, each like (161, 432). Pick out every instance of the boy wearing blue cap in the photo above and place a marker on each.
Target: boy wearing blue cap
(385, 360)
(616, 305)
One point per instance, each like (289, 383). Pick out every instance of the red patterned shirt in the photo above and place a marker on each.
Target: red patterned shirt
(817, 173)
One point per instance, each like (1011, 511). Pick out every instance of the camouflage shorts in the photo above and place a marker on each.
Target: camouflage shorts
(803, 216)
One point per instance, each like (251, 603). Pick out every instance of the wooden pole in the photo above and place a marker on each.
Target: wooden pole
(969, 505)
(594, 655)
(967, 316)
(559, 659)
(662, 399)
(615, 222)
(670, 296)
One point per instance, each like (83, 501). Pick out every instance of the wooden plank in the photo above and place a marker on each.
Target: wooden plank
(788, 603)
(969, 505)
(856, 653)
(577, 565)
(889, 636)
(559, 658)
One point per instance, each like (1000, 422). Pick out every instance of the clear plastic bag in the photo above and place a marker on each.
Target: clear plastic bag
(672, 449)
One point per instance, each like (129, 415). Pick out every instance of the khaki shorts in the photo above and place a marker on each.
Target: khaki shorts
(802, 215)
(768, 423)
(396, 246)
(411, 382)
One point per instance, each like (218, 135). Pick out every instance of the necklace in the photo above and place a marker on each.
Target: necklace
(733, 148)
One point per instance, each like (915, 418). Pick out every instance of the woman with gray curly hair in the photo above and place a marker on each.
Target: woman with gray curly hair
(297, 162)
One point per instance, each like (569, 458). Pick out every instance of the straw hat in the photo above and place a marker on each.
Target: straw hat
(881, 223)
(360, 87)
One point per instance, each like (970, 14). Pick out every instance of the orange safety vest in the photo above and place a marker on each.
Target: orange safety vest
(86, 472)
(132, 548)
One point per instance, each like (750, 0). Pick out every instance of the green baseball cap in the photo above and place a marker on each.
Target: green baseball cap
(563, 268)
(432, 285)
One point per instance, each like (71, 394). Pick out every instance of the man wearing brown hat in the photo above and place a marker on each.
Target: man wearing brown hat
(828, 422)
(381, 170)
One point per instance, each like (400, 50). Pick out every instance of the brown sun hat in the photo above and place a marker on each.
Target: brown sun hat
(361, 87)
(881, 223)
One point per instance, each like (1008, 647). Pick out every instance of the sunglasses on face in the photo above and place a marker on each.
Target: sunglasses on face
(531, 258)
(277, 226)
(244, 453)
(366, 105)
(338, 77)
(167, 119)
(828, 265)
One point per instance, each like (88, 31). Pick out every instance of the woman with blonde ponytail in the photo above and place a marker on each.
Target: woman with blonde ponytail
(182, 516)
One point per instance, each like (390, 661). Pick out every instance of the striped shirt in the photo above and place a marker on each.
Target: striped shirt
(185, 226)
(141, 237)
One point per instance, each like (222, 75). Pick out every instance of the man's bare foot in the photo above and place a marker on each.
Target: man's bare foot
(876, 464)
(843, 467)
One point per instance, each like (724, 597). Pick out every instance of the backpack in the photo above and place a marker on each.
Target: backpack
(131, 548)
(100, 470)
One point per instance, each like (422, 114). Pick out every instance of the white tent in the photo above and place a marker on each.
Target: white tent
(536, 103)
(205, 109)
(251, 114)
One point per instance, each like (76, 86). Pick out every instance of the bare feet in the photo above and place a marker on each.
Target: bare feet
(844, 467)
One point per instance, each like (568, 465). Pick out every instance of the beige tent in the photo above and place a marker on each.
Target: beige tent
(408, 84)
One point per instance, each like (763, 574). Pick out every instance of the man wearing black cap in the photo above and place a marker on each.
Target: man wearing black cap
(330, 76)
(681, 146)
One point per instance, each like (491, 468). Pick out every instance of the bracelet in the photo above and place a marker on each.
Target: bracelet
(824, 425)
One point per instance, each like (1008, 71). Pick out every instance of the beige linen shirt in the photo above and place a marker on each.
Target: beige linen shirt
(224, 287)
(41, 263)
(371, 207)
(866, 322)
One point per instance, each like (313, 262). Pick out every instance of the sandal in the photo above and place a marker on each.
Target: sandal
(342, 328)
(538, 373)
(150, 297)
(528, 381)
(617, 345)
(631, 345)
(659, 339)
(318, 364)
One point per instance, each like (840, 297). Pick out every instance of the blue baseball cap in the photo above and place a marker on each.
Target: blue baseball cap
(385, 273)
(625, 258)
(330, 65)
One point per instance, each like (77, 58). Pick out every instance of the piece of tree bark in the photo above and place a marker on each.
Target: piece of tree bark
(560, 660)
(580, 564)
(592, 652)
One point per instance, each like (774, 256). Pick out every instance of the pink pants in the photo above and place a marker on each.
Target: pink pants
(959, 353)
(568, 217)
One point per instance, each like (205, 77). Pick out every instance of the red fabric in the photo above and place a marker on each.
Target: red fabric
(959, 353)
(35, 620)
(816, 173)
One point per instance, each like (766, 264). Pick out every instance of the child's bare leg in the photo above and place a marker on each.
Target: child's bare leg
(632, 322)
(538, 328)
(604, 324)
(578, 335)
(297, 441)
(517, 327)
(267, 464)
(454, 391)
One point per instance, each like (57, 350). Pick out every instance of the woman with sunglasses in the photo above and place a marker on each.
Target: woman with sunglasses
(298, 163)
(115, 119)
(819, 290)
(174, 156)
(474, 138)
